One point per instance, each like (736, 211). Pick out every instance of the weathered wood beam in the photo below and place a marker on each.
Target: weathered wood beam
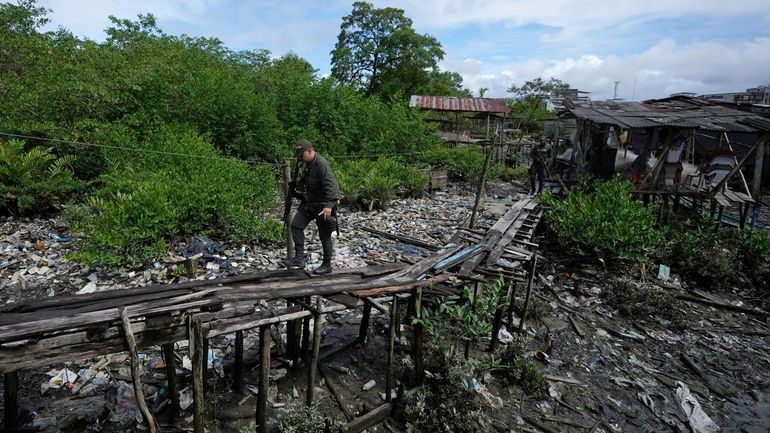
(149, 418)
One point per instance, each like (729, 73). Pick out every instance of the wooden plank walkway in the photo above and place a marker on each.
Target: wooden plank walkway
(40, 333)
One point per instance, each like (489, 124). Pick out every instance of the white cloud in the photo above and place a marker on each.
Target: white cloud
(569, 15)
(665, 68)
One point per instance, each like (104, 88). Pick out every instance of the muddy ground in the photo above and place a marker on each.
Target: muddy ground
(621, 354)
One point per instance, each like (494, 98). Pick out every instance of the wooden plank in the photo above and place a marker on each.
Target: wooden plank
(511, 233)
(369, 419)
(406, 239)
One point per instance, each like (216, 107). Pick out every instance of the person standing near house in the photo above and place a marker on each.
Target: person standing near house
(536, 168)
(321, 193)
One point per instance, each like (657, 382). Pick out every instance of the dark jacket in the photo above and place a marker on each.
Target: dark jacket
(321, 186)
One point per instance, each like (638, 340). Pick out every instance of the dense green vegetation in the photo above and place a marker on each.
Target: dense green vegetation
(604, 220)
(149, 137)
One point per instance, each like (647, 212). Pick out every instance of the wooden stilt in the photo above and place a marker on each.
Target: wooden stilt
(306, 335)
(417, 354)
(532, 268)
(719, 218)
(364, 329)
(713, 208)
(264, 377)
(317, 324)
(197, 354)
(511, 304)
(149, 419)
(477, 290)
(391, 342)
(205, 366)
(292, 338)
(480, 191)
(497, 322)
(173, 388)
(398, 320)
(238, 366)
(744, 211)
(11, 399)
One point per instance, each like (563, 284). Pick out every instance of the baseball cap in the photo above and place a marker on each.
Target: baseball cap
(301, 146)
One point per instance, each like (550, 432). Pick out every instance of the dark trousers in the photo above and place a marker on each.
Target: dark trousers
(536, 179)
(308, 212)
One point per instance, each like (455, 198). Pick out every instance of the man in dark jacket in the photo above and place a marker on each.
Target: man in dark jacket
(321, 195)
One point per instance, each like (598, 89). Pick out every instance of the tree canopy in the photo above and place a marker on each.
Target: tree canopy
(379, 53)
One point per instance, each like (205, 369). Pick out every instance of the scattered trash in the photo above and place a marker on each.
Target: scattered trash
(88, 288)
(699, 421)
(663, 272)
(185, 398)
(62, 378)
(503, 336)
(369, 385)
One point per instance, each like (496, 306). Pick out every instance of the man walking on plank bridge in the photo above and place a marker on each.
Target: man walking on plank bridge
(319, 202)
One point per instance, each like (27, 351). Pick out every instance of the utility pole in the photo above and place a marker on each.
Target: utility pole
(615, 93)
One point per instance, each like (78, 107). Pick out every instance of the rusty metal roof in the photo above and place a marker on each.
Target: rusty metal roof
(452, 103)
(682, 112)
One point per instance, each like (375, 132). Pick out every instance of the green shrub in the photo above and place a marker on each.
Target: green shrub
(445, 402)
(703, 256)
(461, 162)
(516, 369)
(36, 178)
(368, 184)
(607, 221)
(753, 250)
(640, 300)
(148, 199)
(303, 419)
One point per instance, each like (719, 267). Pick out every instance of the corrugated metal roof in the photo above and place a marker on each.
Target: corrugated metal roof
(452, 103)
(683, 112)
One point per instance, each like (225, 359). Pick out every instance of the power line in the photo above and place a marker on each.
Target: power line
(132, 149)
(215, 158)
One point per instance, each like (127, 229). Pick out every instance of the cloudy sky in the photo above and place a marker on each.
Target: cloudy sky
(651, 47)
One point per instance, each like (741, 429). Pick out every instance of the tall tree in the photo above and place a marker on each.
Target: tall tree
(528, 99)
(379, 52)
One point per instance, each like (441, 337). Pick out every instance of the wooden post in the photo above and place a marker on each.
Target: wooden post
(317, 324)
(238, 366)
(264, 377)
(511, 304)
(419, 368)
(205, 365)
(391, 342)
(364, 329)
(497, 322)
(136, 374)
(173, 388)
(480, 191)
(719, 218)
(286, 180)
(758, 162)
(196, 351)
(293, 338)
(306, 335)
(11, 399)
(529, 292)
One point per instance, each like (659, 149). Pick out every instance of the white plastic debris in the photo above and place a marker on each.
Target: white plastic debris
(699, 421)
(63, 377)
(504, 336)
(88, 288)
